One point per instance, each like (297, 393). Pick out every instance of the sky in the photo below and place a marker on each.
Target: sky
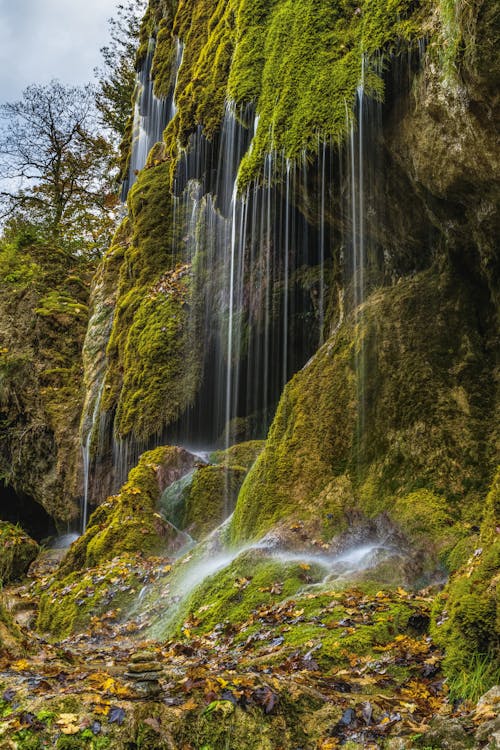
(45, 39)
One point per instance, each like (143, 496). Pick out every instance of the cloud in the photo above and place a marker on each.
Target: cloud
(45, 39)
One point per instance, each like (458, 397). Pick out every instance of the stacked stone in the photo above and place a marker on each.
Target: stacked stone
(145, 672)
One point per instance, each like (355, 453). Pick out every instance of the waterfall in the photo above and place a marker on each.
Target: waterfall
(362, 203)
(151, 113)
(261, 265)
(86, 457)
(259, 311)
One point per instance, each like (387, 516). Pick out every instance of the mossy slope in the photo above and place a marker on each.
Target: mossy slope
(414, 432)
(17, 552)
(466, 615)
(129, 522)
(43, 318)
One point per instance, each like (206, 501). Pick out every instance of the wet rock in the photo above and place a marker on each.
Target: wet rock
(139, 667)
(142, 656)
(144, 673)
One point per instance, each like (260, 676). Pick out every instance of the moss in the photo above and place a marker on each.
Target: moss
(151, 318)
(129, 522)
(10, 634)
(252, 580)
(248, 50)
(308, 444)
(162, 67)
(17, 552)
(420, 423)
(199, 502)
(75, 601)
(241, 454)
(211, 498)
(43, 317)
(466, 617)
(161, 371)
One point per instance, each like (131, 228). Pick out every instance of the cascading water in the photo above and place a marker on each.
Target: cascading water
(86, 457)
(262, 306)
(151, 113)
(360, 210)
(261, 265)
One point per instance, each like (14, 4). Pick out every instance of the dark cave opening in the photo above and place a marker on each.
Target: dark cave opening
(19, 508)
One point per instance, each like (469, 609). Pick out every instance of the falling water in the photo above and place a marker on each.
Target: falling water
(151, 113)
(86, 456)
(260, 266)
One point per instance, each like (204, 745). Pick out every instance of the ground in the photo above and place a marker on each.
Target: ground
(316, 670)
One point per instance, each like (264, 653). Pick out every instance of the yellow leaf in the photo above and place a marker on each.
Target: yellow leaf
(21, 665)
(67, 718)
(102, 708)
(189, 705)
(70, 729)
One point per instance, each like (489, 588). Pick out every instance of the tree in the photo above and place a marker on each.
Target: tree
(55, 164)
(117, 77)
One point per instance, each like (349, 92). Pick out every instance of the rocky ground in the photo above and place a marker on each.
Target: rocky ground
(325, 668)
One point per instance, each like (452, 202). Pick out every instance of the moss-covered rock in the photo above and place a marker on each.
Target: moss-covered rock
(254, 579)
(207, 500)
(153, 369)
(10, 635)
(241, 454)
(17, 552)
(247, 51)
(129, 521)
(394, 414)
(466, 615)
(43, 317)
(96, 595)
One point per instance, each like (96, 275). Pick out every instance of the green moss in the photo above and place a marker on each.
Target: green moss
(241, 454)
(151, 319)
(300, 66)
(129, 522)
(17, 552)
(309, 443)
(211, 497)
(252, 580)
(43, 317)
(199, 502)
(419, 422)
(10, 634)
(74, 601)
(161, 372)
(466, 617)
(162, 67)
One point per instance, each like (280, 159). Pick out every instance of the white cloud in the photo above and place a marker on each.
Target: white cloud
(45, 39)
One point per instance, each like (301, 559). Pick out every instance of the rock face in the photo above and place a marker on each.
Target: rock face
(129, 521)
(17, 552)
(43, 318)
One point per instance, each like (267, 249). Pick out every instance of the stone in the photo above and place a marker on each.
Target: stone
(448, 734)
(487, 731)
(142, 656)
(146, 667)
(491, 697)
